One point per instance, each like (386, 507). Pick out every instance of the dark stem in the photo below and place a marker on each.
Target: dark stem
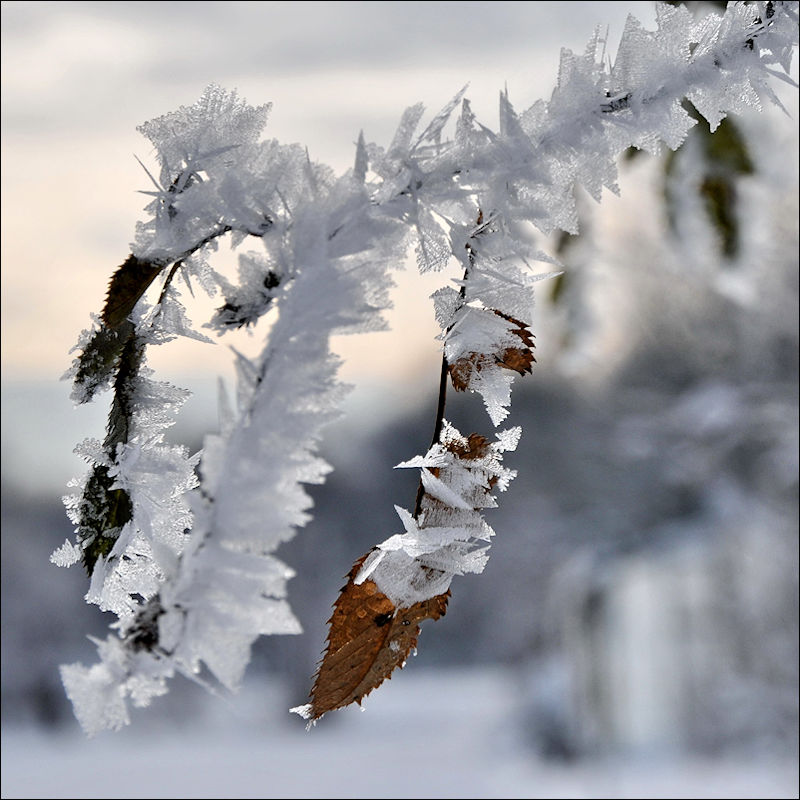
(175, 267)
(221, 231)
(437, 428)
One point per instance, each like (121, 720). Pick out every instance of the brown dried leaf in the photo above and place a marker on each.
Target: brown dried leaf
(127, 285)
(477, 446)
(519, 359)
(368, 639)
(462, 369)
(473, 447)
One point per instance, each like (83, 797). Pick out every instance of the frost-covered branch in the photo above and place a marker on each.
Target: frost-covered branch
(180, 546)
(485, 322)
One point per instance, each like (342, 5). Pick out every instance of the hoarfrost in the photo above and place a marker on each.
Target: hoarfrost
(191, 572)
(445, 538)
(66, 555)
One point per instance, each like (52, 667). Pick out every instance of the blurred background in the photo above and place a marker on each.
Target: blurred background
(635, 633)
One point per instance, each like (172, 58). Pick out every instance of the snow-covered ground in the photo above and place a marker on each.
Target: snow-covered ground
(426, 734)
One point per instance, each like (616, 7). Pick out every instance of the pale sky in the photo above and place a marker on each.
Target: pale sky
(78, 77)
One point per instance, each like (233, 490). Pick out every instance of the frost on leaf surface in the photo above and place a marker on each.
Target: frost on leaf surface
(406, 579)
(485, 323)
(484, 348)
(138, 503)
(448, 535)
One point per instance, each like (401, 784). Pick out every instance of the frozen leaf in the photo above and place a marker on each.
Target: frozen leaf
(103, 510)
(406, 578)
(518, 358)
(458, 476)
(128, 284)
(93, 370)
(369, 638)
